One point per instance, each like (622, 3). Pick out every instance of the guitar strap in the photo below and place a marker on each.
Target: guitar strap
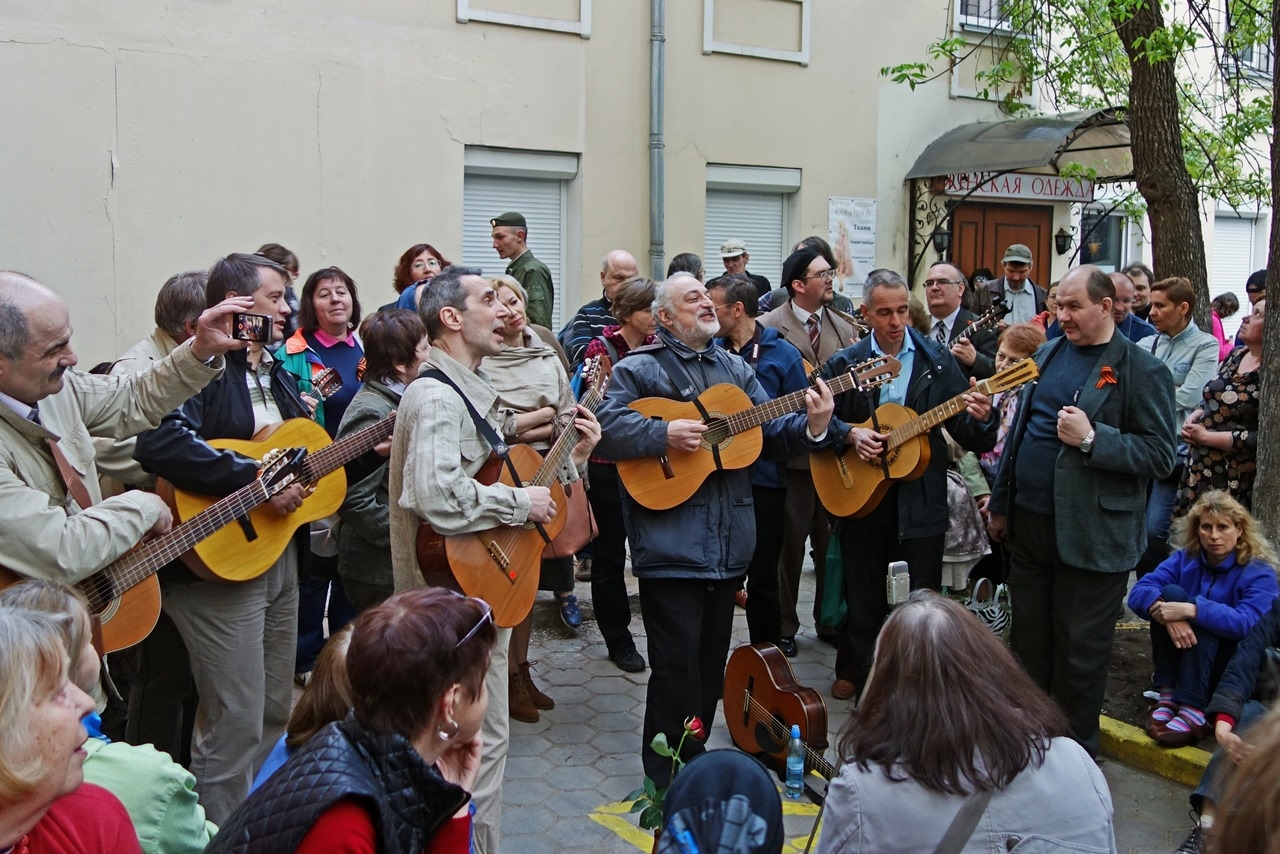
(674, 369)
(487, 433)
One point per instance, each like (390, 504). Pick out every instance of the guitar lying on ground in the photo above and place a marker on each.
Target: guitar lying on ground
(125, 595)
(501, 565)
(245, 551)
(733, 439)
(849, 486)
(762, 700)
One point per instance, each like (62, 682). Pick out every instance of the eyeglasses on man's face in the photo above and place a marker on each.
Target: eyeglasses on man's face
(938, 283)
(825, 275)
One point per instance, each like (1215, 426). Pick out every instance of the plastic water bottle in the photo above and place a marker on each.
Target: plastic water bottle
(795, 765)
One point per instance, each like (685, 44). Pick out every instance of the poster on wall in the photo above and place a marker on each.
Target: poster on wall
(851, 230)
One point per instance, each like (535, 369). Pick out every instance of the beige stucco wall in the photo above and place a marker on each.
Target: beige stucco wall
(145, 137)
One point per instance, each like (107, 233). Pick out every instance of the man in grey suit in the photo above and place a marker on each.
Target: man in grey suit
(944, 287)
(1071, 493)
(805, 317)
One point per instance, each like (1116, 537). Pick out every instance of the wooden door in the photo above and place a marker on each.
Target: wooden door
(981, 233)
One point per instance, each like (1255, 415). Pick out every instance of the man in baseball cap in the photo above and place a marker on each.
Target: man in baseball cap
(509, 234)
(1023, 295)
(734, 255)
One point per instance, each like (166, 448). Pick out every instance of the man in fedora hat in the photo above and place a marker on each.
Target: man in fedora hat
(510, 231)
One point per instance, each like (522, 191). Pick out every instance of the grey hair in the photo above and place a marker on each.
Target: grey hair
(180, 301)
(445, 290)
(662, 295)
(882, 277)
(15, 332)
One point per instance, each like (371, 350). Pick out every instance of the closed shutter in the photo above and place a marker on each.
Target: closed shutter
(1232, 264)
(754, 218)
(542, 202)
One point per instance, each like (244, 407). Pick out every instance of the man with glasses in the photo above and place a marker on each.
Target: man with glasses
(780, 370)
(1024, 297)
(437, 451)
(944, 288)
(808, 322)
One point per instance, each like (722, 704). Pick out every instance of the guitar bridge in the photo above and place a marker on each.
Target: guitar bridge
(500, 558)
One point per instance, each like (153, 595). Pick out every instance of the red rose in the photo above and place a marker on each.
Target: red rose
(695, 728)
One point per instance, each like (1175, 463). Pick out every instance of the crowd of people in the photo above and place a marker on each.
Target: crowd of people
(1142, 430)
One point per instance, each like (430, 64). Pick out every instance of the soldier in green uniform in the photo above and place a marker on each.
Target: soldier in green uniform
(509, 234)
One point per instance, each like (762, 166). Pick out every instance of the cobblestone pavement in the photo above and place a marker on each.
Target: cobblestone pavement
(567, 774)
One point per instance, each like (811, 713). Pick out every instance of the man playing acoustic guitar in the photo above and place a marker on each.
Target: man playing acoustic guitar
(910, 523)
(689, 558)
(437, 451)
(241, 636)
(47, 530)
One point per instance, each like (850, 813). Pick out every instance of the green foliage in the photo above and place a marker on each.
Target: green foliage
(1071, 53)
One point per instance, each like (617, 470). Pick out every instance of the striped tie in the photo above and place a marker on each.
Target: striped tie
(940, 333)
(815, 332)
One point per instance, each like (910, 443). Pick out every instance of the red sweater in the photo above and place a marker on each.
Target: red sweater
(347, 828)
(90, 820)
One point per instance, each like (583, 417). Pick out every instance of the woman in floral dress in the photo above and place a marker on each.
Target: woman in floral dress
(1223, 432)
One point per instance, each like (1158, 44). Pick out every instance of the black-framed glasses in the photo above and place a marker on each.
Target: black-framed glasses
(937, 283)
(825, 275)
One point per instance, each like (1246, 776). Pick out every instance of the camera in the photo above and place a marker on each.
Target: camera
(897, 584)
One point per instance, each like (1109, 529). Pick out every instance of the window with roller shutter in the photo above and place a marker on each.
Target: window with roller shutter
(756, 218)
(531, 184)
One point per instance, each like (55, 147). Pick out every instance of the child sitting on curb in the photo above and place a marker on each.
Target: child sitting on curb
(1201, 602)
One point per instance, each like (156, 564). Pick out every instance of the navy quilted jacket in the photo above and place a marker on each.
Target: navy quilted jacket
(407, 799)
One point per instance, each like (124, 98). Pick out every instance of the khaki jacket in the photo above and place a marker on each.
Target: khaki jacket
(45, 534)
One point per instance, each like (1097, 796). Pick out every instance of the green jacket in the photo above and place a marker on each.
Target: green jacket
(535, 278)
(158, 793)
(364, 538)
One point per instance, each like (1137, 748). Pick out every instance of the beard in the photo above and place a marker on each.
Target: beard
(698, 333)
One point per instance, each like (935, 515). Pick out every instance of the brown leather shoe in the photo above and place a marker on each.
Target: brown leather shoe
(540, 700)
(842, 689)
(519, 704)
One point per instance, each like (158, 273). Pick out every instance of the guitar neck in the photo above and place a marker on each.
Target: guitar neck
(564, 444)
(332, 457)
(940, 413)
(148, 558)
(793, 402)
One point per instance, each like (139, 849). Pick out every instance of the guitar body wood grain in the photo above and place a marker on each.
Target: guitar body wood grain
(645, 478)
(126, 619)
(500, 565)
(762, 700)
(849, 486)
(229, 555)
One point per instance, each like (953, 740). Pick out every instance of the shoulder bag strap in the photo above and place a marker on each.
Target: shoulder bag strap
(487, 432)
(965, 822)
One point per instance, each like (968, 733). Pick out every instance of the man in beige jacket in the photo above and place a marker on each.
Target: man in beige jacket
(45, 531)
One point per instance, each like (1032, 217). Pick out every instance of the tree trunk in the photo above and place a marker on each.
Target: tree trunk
(1266, 488)
(1159, 163)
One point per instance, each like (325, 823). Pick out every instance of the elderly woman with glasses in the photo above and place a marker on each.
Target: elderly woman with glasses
(394, 775)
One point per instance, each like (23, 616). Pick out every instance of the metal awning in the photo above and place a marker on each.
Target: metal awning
(1095, 139)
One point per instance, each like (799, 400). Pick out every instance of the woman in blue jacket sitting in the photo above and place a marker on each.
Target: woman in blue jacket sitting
(1205, 598)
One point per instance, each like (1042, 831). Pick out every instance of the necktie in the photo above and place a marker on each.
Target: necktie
(815, 331)
(940, 333)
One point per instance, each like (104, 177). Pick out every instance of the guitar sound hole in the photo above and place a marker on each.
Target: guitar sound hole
(717, 432)
(770, 735)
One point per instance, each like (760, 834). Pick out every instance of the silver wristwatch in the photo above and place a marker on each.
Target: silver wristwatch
(1086, 447)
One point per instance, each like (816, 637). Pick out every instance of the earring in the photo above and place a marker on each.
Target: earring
(444, 731)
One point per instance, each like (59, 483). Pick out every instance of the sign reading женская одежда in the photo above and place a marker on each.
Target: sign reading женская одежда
(1020, 185)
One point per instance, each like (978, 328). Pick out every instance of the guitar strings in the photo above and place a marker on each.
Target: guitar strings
(816, 760)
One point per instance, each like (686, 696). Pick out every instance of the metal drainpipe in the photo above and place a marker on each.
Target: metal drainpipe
(657, 112)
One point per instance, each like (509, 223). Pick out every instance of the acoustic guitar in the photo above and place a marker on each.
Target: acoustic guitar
(125, 595)
(762, 700)
(733, 439)
(501, 565)
(244, 551)
(849, 486)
